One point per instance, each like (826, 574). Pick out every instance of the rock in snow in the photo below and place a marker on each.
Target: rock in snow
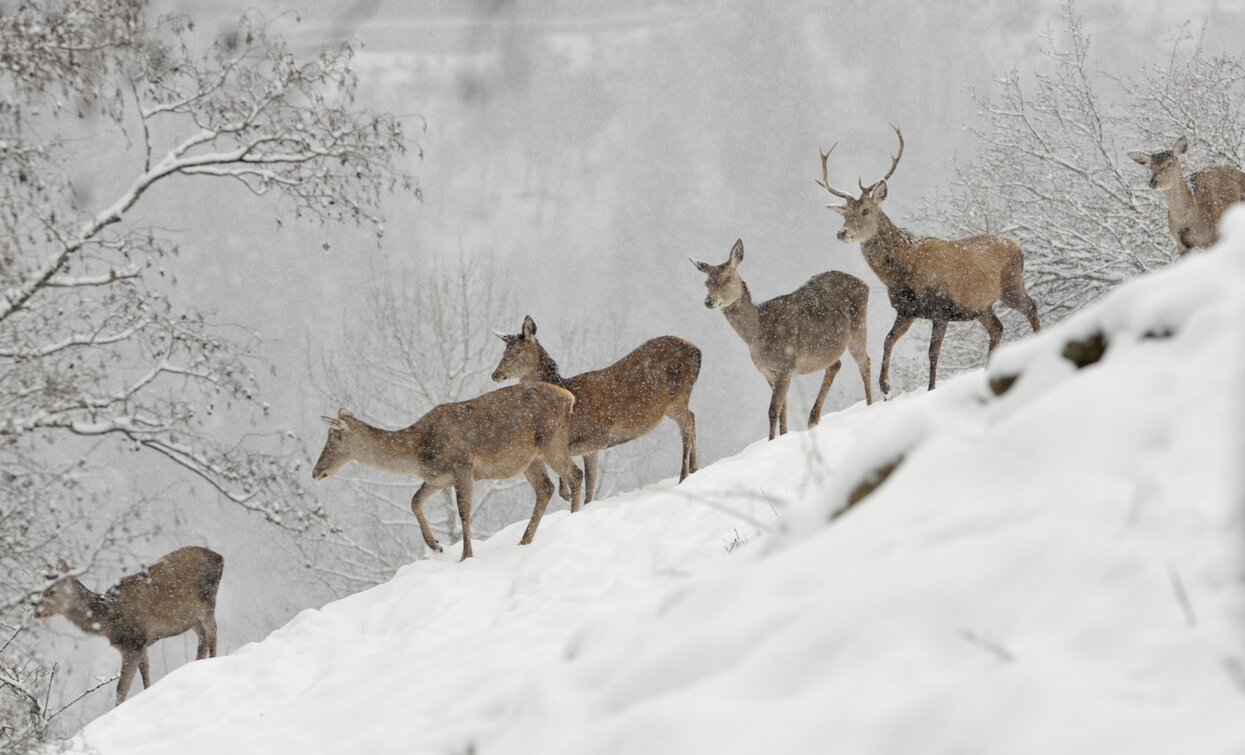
(1053, 564)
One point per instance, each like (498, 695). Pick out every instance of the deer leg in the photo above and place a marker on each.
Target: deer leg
(902, 323)
(935, 346)
(693, 459)
(1017, 299)
(591, 465)
(425, 492)
(464, 482)
(565, 468)
(202, 649)
(686, 420)
(543, 488)
(206, 629)
(209, 631)
(859, 349)
(144, 669)
(994, 329)
(129, 664)
(776, 401)
(815, 416)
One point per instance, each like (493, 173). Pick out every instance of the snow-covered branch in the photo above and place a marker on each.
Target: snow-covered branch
(98, 360)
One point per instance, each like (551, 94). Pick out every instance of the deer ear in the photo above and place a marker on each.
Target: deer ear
(332, 422)
(1181, 146)
(529, 327)
(502, 336)
(345, 414)
(737, 253)
(837, 209)
(879, 191)
(1141, 158)
(703, 267)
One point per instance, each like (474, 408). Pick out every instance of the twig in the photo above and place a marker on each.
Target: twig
(63, 708)
(1182, 597)
(47, 692)
(993, 648)
(10, 640)
(746, 495)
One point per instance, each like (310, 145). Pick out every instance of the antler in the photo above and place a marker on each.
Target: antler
(825, 176)
(894, 162)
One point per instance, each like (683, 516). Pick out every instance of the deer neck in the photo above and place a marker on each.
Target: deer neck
(393, 451)
(1181, 206)
(744, 317)
(94, 613)
(546, 371)
(887, 253)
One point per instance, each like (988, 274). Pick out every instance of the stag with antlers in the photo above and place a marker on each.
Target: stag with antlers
(927, 278)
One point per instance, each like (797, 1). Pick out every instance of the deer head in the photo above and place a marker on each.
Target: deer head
(339, 449)
(1165, 170)
(724, 284)
(521, 358)
(860, 215)
(66, 594)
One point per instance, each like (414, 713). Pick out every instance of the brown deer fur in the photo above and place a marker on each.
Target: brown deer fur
(928, 278)
(1195, 206)
(619, 403)
(491, 437)
(174, 595)
(804, 331)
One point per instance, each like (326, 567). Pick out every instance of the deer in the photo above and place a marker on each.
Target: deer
(174, 595)
(495, 436)
(618, 403)
(928, 278)
(1194, 206)
(804, 331)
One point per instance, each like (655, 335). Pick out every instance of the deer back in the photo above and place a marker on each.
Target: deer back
(1216, 189)
(970, 272)
(170, 597)
(628, 399)
(499, 432)
(813, 322)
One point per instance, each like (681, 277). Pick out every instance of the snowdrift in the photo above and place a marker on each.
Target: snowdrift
(1044, 556)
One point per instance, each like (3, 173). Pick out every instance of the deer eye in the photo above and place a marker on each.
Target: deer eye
(865, 211)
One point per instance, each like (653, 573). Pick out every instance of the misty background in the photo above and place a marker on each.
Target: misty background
(579, 153)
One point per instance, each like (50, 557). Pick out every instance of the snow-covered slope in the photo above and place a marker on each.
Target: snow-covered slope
(1053, 565)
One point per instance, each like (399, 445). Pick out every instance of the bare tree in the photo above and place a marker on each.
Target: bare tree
(101, 108)
(1053, 172)
(27, 711)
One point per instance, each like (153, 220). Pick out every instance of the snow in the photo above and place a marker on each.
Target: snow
(1056, 569)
